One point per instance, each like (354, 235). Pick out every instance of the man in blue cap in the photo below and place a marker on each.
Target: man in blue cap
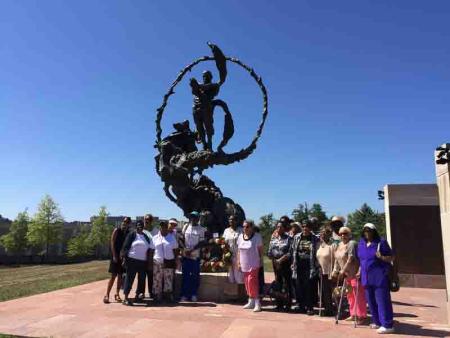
(194, 238)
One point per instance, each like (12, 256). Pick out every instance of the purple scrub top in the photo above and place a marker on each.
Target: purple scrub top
(374, 272)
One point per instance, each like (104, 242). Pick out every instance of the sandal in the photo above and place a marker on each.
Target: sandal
(106, 300)
(117, 298)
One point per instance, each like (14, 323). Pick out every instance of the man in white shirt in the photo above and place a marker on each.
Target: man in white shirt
(194, 238)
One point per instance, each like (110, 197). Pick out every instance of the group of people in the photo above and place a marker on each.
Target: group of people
(308, 265)
(155, 254)
(311, 265)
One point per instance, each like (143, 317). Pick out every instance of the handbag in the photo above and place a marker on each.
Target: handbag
(394, 280)
(168, 263)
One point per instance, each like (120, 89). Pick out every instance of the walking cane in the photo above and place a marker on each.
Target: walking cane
(340, 301)
(356, 304)
(320, 294)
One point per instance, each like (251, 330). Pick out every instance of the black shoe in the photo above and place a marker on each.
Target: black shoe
(127, 302)
(139, 298)
(168, 297)
(327, 313)
(298, 309)
(310, 312)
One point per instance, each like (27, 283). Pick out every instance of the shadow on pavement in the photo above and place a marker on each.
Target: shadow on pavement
(412, 330)
(409, 304)
(404, 315)
(197, 304)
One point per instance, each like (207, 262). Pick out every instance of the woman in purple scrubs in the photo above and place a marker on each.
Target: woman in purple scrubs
(375, 256)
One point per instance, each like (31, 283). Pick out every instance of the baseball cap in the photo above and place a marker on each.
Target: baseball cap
(369, 226)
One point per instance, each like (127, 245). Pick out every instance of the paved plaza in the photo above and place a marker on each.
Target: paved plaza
(79, 312)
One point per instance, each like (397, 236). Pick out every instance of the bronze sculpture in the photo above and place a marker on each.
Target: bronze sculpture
(179, 162)
(204, 103)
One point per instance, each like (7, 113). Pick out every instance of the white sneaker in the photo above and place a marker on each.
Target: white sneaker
(194, 298)
(250, 304)
(374, 326)
(384, 330)
(257, 306)
(183, 299)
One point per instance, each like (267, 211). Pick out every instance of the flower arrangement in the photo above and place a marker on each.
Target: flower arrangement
(216, 257)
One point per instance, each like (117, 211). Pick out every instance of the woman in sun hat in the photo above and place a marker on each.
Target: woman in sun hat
(346, 267)
(336, 223)
(375, 256)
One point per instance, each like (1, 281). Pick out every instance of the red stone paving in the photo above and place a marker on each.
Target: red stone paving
(79, 312)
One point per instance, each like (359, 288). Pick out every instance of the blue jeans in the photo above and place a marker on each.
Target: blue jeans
(191, 277)
(380, 304)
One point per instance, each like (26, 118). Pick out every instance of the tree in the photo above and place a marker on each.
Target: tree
(302, 212)
(46, 226)
(266, 226)
(316, 211)
(363, 215)
(100, 234)
(15, 241)
(80, 244)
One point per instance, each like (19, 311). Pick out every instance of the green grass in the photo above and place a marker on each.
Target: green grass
(268, 265)
(22, 281)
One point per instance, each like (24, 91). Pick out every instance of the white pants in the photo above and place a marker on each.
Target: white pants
(234, 275)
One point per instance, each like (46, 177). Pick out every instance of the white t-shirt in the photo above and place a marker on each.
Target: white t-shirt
(248, 252)
(231, 237)
(139, 247)
(164, 247)
(192, 236)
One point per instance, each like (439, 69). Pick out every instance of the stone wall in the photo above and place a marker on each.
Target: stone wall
(414, 231)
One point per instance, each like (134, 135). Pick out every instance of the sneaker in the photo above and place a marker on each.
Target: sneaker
(349, 319)
(384, 330)
(250, 304)
(194, 298)
(374, 326)
(183, 299)
(257, 306)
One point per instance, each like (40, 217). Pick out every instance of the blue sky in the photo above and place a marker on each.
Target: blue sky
(358, 96)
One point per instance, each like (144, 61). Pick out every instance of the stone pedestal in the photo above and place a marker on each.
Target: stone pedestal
(443, 182)
(214, 287)
(413, 229)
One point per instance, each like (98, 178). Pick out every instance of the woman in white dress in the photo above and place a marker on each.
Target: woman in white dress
(231, 235)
